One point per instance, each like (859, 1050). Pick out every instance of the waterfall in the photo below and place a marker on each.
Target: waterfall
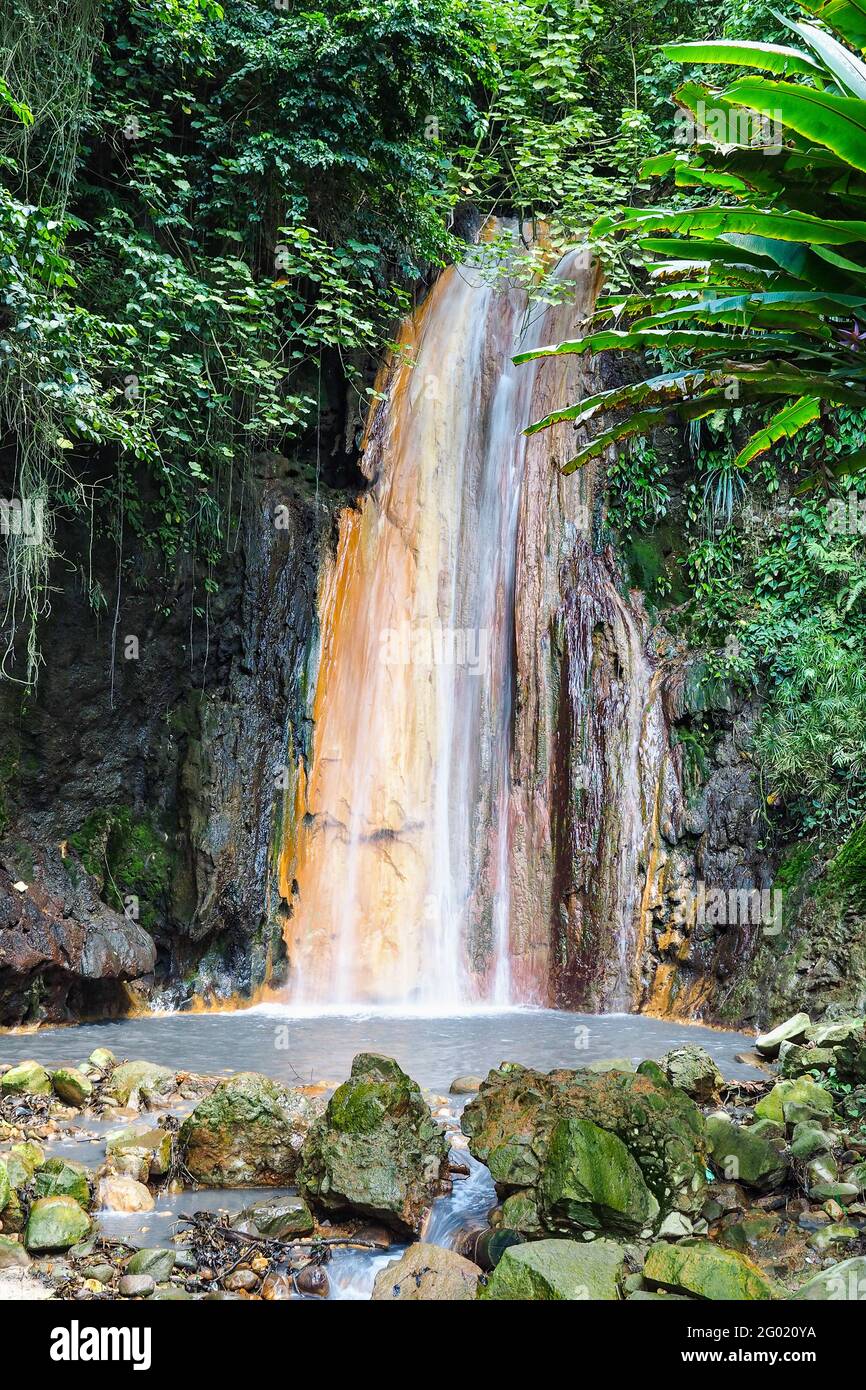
(475, 649)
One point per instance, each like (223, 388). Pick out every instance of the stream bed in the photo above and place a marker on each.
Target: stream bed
(301, 1048)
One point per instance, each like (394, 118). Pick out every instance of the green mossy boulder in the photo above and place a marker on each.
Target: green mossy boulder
(810, 1139)
(21, 1163)
(132, 1082)
(55, 1223)
(71, 1086)
(281, 1218)
(796, 1060)
(247, 1133)
(591, 1182)
(102, 1059)
(520, 1213)
(557, 1271)
(790, 1102)
(692, 1069)
(156, 1262)
(706, 1270)
(512, 1120)
(738, 1155)
(28, 1079)
(377, 1148)
(62, 1177)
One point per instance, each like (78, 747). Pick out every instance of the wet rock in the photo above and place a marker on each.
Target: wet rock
(675, 1226)
(377, 1148)
(591, 1182)
(790, 1102)
(123, 1194)
(843, 1282)
(312, 1282)
(62, 1177)
(520, 1213)
(136, 1286)
(465, 1085)
(139, 1151)
(707, 1270)
(72, 1086)
(156, 1262)
(810, 1139)
(280, 1219)
(55, 1223)
(247, 1133)
(12, 1254)
(693, 1070)
(511, 1123)
(792, 1030)
(102, 1059)
(241, 1281)
(427, 1273)
(557, 1271)
(276, 1288)
(27, 1078)
(102, 1273)
(132, 1082)
(744, 1157)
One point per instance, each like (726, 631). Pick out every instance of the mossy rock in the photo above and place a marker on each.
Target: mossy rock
(156, 1262)
(278, 1219)
(790, 1102)
(693, 1070)
(28, 1079)
(12, 1254)
(706, 1270)
(62, 1177)
(21, 1163)
(739, 1155)
(55, 1223)
(131, 1081)
(520, 1213)
(591, 1182)
(555, 1271)
(247, 1133)
(71, 1086)
(377, 1148)
(137, 1150)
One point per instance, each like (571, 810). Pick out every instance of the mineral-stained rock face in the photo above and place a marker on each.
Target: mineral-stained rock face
(377, 1148)
(514, 1127)
(247, 1133)
(58, 937)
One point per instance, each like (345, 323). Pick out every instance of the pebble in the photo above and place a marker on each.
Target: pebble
(136, 1286)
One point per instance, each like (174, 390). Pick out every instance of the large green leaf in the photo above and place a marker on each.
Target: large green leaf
(716, 222)
(838, 123)
(849, 71)
(769, 57)
(784, 424)
(847, 17)
(672, 339)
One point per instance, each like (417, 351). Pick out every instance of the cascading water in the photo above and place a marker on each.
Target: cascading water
(433, 852)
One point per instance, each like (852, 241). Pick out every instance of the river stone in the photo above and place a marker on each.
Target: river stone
(55, 1223)
(510, 1123)
(12, 1254)
(278, 1219)
(591, 1182)
(153, 1261)
(62, 1177)
(136, 1286)
(427, 1273)
(693, 1070)
(141, 1152)
(22, 1161)
(122, 1193)
(707, 1270)
(809, 1139)
(132, 1082)
(72, 1086)
(465, 1085)
(790, 1102)
(377, 1148)
(792, 1030)
(247, 1133)
(520, 1213)
(102, 1059)
(27, 1078)
(741, 1156)
(843, 1282)
(557, 1271)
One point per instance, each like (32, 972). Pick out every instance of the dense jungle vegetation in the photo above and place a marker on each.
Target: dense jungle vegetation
(210, 213)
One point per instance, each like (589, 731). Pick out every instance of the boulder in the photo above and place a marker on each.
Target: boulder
(810, 1139)
(843, 1282)
(22, 1161)
(790, 1102)
(706, 1270)
(693, 1070)
(102, 1059)
(792, 1030)
(12, 1254)
(132, 1082)
(123, 1194)
(465, 1085)
(520, 1213)
(741, 1156)
(62, 1177)
(27, 1078)
(153, 1261)
(247, 1133)
(281, 1218)
(55, 1223)
(557, 1271)
(843, 1030)
(591, 1182)
(510, 1124)
(796, 1059)
(427, 1273)
(139, 1151)
(71, 1086)
(377, 1148)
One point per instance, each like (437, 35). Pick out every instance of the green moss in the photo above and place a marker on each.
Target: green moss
(129, 857)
